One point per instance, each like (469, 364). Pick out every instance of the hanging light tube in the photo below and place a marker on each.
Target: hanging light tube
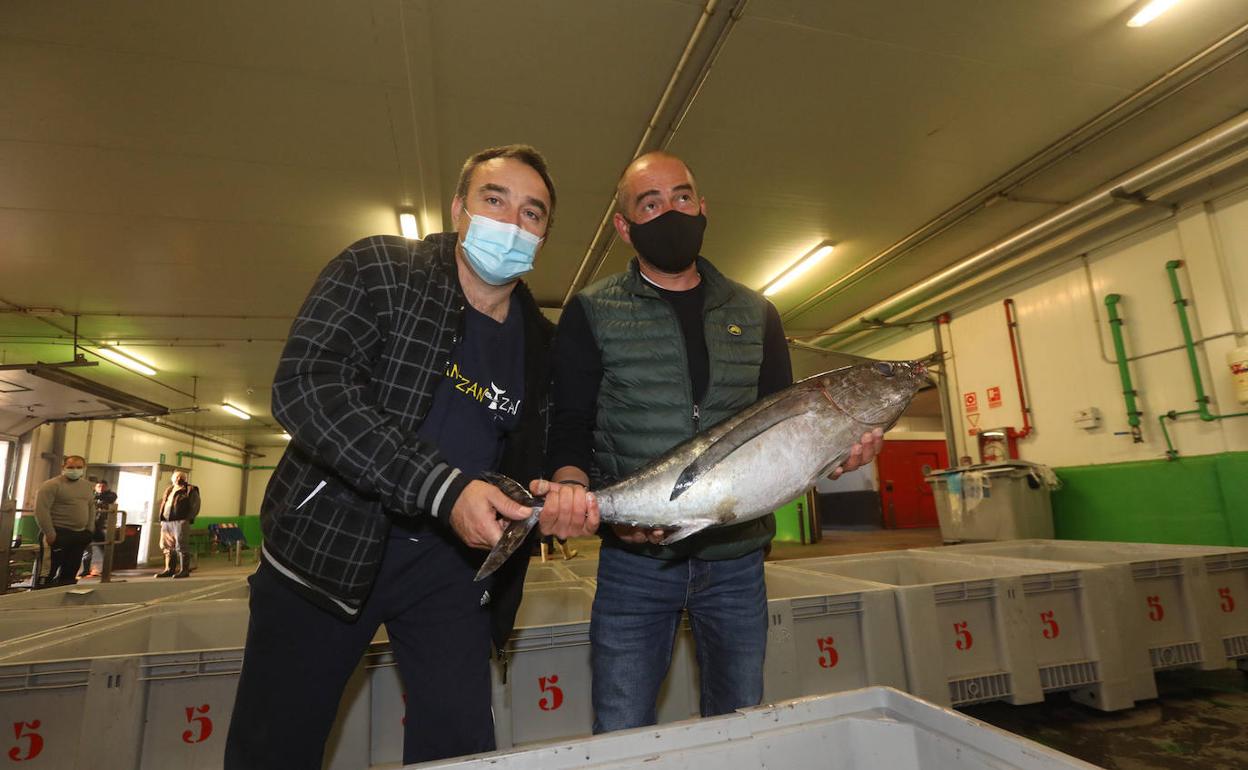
(807, 261)
(1150, 12)
(123, 360)
(234, 410)
(408, 224)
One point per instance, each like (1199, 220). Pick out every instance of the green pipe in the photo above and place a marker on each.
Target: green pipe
(219, 461)
(1202, 400)
(1120, 353)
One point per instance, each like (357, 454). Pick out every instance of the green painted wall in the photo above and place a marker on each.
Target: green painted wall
(1192, 500)
(788, 525)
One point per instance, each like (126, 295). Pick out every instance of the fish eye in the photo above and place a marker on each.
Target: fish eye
(884, 367)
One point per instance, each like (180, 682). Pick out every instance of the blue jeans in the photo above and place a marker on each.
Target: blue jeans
(635, 618)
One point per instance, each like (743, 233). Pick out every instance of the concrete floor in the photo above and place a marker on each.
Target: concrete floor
(1199, 721)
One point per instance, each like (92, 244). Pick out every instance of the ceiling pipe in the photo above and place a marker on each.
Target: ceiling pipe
(673, 105)
(1191, 71)
(961, 275)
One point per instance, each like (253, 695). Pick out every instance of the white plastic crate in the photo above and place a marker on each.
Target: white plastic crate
(976, 629)
(541, 690)
(545, 574)
(1190, 602)
(131, 592)
(156, 685)
(828, 634)
(584, 569)
(859, 730)
(21, 625)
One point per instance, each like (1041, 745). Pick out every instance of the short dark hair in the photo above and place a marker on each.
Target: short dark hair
(73, 457)
(524, 153)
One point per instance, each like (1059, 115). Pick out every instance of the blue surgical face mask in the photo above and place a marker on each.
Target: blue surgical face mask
(499, 252)
(73, 474)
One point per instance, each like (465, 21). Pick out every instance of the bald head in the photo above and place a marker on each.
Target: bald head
(642, 170)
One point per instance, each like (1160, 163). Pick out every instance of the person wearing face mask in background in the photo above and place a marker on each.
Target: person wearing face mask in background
(413, 367)
(64, 509)
(645, 360)
(178, 508)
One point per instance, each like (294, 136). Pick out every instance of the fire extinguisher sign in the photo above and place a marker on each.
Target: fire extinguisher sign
(994, 397)
(971, 401)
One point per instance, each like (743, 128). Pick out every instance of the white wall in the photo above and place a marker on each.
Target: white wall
(124, 441)
(1067, 350)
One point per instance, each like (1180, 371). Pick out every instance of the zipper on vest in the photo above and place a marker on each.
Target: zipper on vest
(697, 419)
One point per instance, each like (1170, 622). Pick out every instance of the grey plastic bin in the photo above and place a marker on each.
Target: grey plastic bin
(978, 629)
(1015, 503)
(131, 592)
(859, 730)
(1189, 606)
(828, 633)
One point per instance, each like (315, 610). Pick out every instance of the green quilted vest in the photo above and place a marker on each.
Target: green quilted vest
(645, 399)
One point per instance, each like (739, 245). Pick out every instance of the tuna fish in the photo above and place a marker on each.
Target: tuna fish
(749, 464)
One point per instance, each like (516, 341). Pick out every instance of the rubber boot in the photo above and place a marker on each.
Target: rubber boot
(184, 560)
(543, 546)
(171, 564)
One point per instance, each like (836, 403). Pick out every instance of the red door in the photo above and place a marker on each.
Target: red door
(906, 498)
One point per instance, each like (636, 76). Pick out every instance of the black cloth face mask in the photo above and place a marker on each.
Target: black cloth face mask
(670, 241)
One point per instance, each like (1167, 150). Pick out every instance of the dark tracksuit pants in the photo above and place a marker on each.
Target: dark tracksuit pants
(67, 555)
(299, 657)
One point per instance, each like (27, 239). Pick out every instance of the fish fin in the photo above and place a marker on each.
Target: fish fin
(513, 537)
(510, 487)
(686, 531)
(793, 403)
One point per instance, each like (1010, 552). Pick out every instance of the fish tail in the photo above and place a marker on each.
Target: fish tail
(517, 532)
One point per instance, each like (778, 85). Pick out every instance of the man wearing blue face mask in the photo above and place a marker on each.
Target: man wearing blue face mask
(645, 360)
(413, 367)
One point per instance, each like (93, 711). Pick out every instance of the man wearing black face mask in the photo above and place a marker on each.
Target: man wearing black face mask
(645, 360)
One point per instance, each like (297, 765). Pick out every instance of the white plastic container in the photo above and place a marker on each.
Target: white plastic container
(1189, 606)
(867, 729)
(828, 633)
(976, 629)
(130, 592)
(21, 625)
(155, 686)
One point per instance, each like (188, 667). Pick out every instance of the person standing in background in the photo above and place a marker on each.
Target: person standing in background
(65, 511)
(104, 498)
(178, 508)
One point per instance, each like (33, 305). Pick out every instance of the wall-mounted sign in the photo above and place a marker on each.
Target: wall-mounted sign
(994, 397)
(971, 401)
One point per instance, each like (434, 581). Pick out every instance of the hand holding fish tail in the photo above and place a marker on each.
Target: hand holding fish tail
(861, 453)
(474, 516)
(568, 510)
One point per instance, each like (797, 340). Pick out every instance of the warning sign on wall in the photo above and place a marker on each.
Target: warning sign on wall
(971, 401)
(994, 397)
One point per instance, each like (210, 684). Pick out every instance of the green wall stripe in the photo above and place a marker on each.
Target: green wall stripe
(1191, 500)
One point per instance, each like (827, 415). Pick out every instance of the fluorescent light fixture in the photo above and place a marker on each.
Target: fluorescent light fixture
(407, 224)
(794, 270)
(121, 359)
(1150, 12)
(239, 413)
